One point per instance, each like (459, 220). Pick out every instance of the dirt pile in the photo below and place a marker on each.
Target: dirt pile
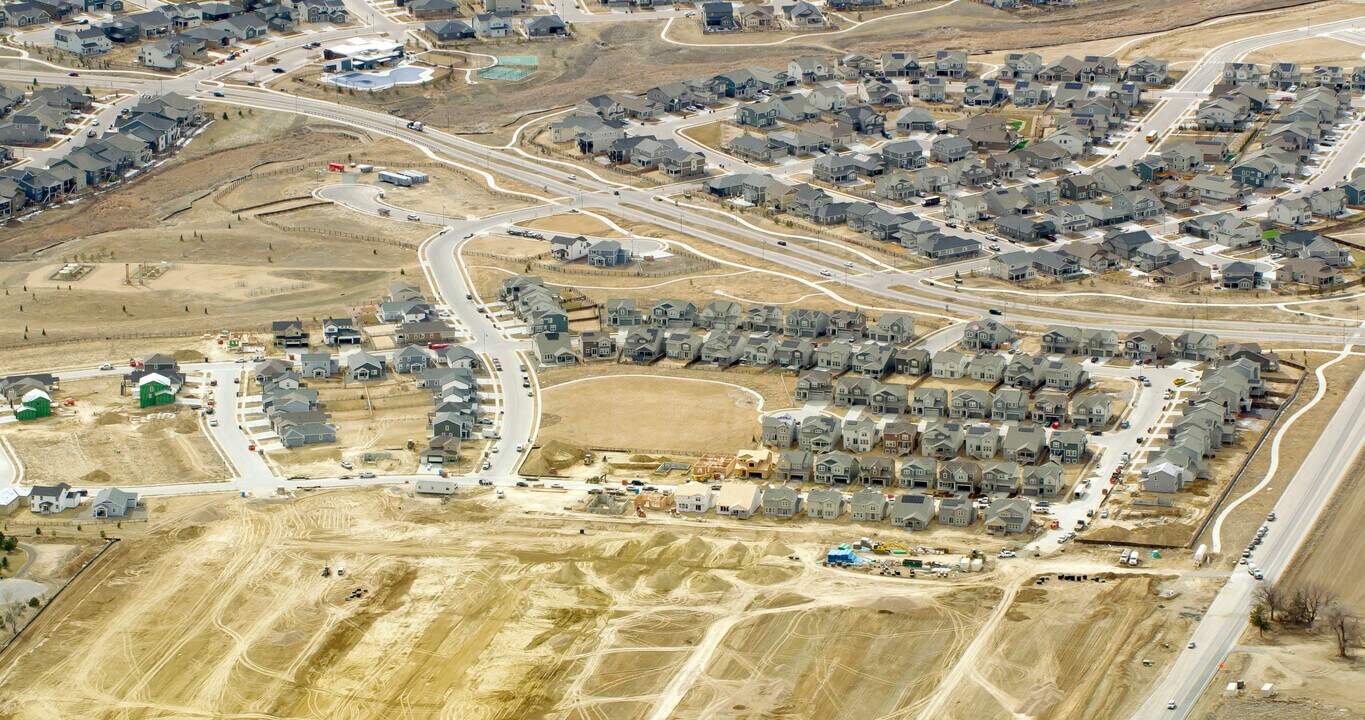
(95, 477)
(1164, 535)
(111, 418)
(559, 454)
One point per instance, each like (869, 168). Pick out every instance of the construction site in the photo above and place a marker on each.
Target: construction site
(374, 603)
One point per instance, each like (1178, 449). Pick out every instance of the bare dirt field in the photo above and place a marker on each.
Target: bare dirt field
(377, 417)
(107, 439)
(1069, 649)
(1311, 681)
(651, 413)
(470, 611)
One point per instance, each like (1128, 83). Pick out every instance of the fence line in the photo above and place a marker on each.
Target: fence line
(1223, 496)
(43, 608)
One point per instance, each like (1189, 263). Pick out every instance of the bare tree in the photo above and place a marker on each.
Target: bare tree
(1273, 597)
(1345, 627)
(1316, 599)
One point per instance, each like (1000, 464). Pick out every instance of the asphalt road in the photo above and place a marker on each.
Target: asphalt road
(1299, 507)
(1302, 501)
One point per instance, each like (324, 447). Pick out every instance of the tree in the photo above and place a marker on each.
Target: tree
(1272, 597)
(1345, 627)
(1259, 619)
(1309, 602)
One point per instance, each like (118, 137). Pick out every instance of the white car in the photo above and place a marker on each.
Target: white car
(106, 366)
(213, 422)
(826, 273)
(1190, 646)
(1170, 705)
(487, 465)
(1007, 554)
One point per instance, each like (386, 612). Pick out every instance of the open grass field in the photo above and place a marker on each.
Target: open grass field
(651, 413)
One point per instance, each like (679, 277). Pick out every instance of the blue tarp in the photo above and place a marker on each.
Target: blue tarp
(843, 555)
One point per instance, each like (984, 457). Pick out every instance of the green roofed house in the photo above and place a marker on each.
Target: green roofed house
(154, 389)
(34, 404)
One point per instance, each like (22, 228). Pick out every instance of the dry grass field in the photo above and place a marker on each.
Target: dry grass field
(573, 224)
(200, 219)
(651, 413)
(106, 439)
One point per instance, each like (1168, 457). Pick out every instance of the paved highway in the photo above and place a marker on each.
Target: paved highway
(1299, 507)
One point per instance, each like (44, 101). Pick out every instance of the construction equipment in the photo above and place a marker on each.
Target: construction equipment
(326, 571)
(886, 548)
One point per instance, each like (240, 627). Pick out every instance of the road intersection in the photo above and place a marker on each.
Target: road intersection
(566, 185)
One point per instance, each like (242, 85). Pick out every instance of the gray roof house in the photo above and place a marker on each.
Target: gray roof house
(956, 511)
(361, 365)
(794, 466)
(868, 506)
(1008, 515)
(912, 511)
(825, 504)
(781, 501)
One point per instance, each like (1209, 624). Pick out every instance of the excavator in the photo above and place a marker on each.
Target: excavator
(886, 548)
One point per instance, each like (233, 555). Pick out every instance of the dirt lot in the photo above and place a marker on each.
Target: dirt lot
(378, 417)
(533, 619)
(1071, 649)
(108, 439)
(1311, 681)
(651, 413)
